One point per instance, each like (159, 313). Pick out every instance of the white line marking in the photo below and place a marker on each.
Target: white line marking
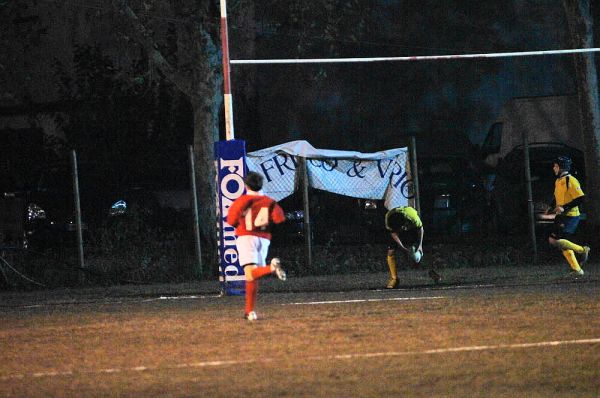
(177, 298)
(438, 287)
(366, 300)
(56, 373)
(464, 349)
(107, 302)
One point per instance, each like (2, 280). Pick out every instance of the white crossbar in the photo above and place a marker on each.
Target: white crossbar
(412, 58)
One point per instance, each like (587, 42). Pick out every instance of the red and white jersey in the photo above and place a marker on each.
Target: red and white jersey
(253, 214)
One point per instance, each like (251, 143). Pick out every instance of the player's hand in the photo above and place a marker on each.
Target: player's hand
(558, 210)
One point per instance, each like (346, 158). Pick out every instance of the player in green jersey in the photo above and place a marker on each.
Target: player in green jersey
(406, 232)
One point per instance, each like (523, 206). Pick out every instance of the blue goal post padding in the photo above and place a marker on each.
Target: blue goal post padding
(230, 158)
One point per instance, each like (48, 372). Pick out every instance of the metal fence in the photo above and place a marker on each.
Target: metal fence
(102, 223)
(84, 222)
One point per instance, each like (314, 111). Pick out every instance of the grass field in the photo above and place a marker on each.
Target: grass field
(514, 333)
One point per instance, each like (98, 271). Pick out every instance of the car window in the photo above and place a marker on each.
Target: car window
(542, 169)
(439, 167)
(493, 139)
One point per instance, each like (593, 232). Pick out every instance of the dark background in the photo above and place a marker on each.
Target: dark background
(130, 85)
(368, 106)
(75, 56)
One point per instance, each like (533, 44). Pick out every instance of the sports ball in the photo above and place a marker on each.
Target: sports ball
(415, 255)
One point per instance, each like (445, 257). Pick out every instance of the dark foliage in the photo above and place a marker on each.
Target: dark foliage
(124, 120)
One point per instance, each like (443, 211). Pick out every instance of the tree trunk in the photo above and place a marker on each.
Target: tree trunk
(206, 133)
(198, 76)
(581, 28)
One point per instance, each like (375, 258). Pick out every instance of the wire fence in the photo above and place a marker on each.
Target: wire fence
(96, 222)
(139, 225)
(83, 222)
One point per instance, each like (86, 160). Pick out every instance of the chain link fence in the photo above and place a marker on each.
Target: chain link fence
(137, 226)
(80, 222)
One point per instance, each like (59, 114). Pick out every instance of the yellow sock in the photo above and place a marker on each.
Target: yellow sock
(571, 259)
(391, 260)
(568, 245)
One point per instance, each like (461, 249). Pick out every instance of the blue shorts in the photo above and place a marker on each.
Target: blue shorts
(564, 226)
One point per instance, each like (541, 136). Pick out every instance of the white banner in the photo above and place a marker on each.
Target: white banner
(379, 175)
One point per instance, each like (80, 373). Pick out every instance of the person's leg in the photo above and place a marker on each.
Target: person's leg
(274, 266)
(393, 266)
(249, 256)
(391, 262)
(253, 273)
(251, 289)
(568, 245)
(569, 255)
(258, 269)
(565, 228)
(582, 251)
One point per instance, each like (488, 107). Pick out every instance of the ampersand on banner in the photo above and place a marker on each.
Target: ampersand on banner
(356, 170)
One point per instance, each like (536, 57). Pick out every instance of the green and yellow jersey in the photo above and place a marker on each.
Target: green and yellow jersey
(403, 218)
(567, 189)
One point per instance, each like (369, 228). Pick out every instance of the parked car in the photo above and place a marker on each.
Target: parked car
(451, 194)
(47, 210)
(509, 193)
(42, 214)
(35, 214)
(333, 219)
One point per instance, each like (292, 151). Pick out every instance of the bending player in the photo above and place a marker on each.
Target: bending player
(252, 215)
(406, 232)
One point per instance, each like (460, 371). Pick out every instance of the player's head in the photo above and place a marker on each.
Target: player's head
(396, 220)
(563, 163)
(253, 181)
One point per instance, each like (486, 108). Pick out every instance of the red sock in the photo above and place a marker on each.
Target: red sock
(251, 289)
(259, 272)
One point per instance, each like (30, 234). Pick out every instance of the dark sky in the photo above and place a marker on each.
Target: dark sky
(366, 106)
(347, 106)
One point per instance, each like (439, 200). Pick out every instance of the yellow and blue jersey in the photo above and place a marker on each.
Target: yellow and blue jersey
(567, 189)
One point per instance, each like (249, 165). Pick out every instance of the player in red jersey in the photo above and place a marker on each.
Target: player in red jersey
(252, 215)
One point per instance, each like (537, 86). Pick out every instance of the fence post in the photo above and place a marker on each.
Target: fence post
(306, 204)
(414, 171)
(529, 195)
(77, 211)
(199, 269)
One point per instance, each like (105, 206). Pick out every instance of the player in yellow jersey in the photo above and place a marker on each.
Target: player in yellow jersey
(406, 232)
(568, 196)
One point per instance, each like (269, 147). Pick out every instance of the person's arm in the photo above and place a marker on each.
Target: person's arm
(550, 209)
(234, 213)
(277, 214)
(568, 206)
(398, 241)
(421, 233)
